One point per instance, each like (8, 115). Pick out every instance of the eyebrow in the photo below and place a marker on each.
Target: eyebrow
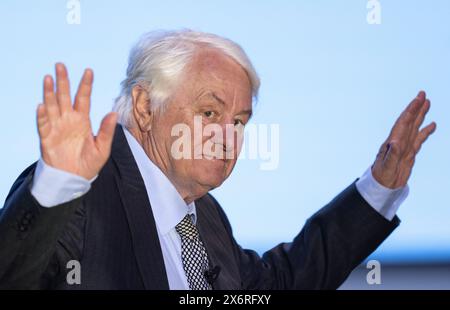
(221, 101)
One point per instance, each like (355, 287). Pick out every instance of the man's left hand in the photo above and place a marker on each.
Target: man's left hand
(395, 160)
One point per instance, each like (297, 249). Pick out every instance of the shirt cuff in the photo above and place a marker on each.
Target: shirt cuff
(52, 187)
(385, 201)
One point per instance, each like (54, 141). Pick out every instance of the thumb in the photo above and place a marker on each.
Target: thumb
(105, 134)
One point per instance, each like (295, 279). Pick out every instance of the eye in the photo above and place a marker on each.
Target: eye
(209, 114)
(238, 122)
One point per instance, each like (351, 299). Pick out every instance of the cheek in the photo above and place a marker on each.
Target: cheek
(230, 165)
(238, 143)
(185, 169)
(179, 131)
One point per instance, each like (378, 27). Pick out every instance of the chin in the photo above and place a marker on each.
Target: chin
(211, 180)
(211, 174)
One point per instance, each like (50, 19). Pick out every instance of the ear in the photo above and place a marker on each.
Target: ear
(141, 108)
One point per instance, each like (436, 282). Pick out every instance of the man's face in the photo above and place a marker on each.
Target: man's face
(215, 90)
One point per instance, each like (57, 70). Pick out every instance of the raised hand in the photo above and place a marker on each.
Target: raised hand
(395, 160)
(65, 131)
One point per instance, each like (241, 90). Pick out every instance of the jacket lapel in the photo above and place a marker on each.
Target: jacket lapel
(217, 244)
(139, 215)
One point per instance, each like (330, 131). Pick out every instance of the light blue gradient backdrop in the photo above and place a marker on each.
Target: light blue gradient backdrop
(334, 83)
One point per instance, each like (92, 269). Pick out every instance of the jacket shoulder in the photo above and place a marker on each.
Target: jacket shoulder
(21, 178)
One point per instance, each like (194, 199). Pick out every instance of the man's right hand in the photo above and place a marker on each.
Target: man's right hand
(65, 131)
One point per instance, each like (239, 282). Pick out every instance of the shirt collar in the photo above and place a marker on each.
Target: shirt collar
(167, 205)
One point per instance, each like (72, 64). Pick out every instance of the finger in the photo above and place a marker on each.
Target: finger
(105, 134)
(43, 122)
(413, 108)
(420, 118)
(50, 102)
(423, 135)
(83, 97)
(62, 88)
(407, 117)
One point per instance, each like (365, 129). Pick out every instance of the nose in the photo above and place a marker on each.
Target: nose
(228, 140)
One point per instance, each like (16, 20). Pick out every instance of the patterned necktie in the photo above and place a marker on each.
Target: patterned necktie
(193, 255)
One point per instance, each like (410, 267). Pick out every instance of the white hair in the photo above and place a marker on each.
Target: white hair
(157, 61)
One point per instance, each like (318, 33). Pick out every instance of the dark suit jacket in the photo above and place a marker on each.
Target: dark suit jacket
(111, 232)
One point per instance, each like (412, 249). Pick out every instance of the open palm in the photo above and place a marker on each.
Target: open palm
(66, 138)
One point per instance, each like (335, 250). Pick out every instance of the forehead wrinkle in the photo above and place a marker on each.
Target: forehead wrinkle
(209, 93)
(202, 93)
(234, 98)
(214, 77)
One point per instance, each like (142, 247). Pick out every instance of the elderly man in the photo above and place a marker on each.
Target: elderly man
(130, 214)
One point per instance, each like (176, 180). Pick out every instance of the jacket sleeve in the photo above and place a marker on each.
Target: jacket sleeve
(29, 237)
(331, 244)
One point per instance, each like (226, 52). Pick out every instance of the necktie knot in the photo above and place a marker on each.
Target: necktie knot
(186, 227)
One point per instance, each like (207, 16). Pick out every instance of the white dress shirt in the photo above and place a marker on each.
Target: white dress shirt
(52, 187)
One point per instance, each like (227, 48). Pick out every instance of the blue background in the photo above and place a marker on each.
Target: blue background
(334, 84)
